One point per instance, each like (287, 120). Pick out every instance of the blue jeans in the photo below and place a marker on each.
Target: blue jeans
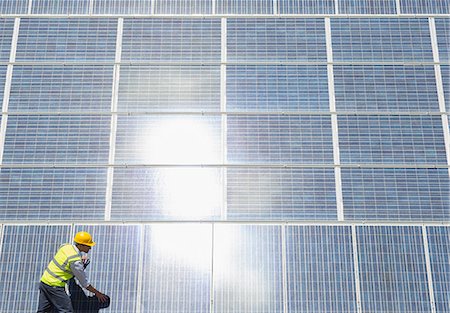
(53, 299)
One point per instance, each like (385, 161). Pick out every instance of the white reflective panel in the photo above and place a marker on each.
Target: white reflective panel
(306, 6)
(177, 268)
(26, 252)
(424, 6)
(167, 194)
(6, 31)
(180, 139)
(114, 267)
(183, 7)
(320, 271)
(247, 269)
(60, 7)
(164, 88)
(244, 6)
(14, 6)
(122, 6)
(367, 7)
(392, 269)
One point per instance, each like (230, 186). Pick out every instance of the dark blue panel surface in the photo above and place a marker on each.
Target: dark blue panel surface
(306, 6)
(6, 31)
(60, 7)
(244, 7)
(443, 38)
(424, 7)
(14, 6)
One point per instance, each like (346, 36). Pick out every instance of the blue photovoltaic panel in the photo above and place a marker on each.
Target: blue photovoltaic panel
(306, 6)
(393, 276)
(168, 139)
(14, 7)
(2, 82)
(247, 269)
(177, 268)
(183, 7)
(277, 40)
(122, 6)
(279, 139)
(6, 31)
(381, 39)
(114, 267)
(385, 88)
(178, 193)
(52, 193)
(60, 7)
(443, 38)
(396, 194)
(438, 243)
(367, 7)
(244, 7)
(26, 251)
(445, 73)
(277, 88)
(424, 7)
(281, 194)
(320, 271)
(57, 139)
(55, 88)
(397, 139)
(171, 40)
(166, 88)
(75, 39)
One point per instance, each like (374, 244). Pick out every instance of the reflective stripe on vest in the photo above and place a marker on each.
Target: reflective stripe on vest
(58, 270)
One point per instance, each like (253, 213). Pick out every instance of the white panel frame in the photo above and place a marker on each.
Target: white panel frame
(356, 269)
(428, 266)
(141, 270)
(224, 118)
(284, 268)
(1, 237)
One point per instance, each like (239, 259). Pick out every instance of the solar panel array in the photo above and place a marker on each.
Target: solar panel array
(226, 160)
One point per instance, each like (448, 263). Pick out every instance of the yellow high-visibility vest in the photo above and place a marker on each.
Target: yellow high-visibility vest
(58, 270)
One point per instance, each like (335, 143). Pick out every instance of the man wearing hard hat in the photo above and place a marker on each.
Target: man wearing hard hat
(66, 264)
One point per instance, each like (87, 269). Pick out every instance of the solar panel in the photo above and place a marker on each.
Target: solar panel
(391, 139)
(74, 39)
(13, 6)
(114, 267)
(177, 268)
(381, 39)
(183, 7)
(385, 88)
(396, 194)
(279, 139)
(277, 88)
(392, 269)
(6, 29)
(367, 7)
(306, 7)
(247, 269)
(276, 40)
(26, 252)
(244, 7)
(185, 88)
(52, 193)
(56, 88)
(60, 7)
(424, 7)
(57, 139)
(443, 41)
(281, 194)
(2, 81)
(438, 239)
(445, 73)
(320, 272)
(171, 40)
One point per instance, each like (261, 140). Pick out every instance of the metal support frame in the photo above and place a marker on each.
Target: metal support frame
(426, 249)
(140, 270)
(284, 268)
(356, 269)
(211, 291)
(397, 6)
(30, 6)
(1, 238)
(224, 119)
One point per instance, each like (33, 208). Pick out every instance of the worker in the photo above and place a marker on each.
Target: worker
(66, 264)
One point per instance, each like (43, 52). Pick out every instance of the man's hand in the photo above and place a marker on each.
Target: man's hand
(101, 297)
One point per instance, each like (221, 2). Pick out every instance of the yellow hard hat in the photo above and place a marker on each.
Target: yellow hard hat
(84, 238)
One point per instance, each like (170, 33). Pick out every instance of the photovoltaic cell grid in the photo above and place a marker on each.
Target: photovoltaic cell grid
(279, 139)
(247, 269)
(2, 81)
(171, 40)
(165, 88)
(56, 88)
(396, 194)
(277, 88)
(281, 194)
(445, 73)
(244, 7)
(306, 6)
(381, 39)
(70, 40)
(385, 88)
(14, 6)
(438, 243)
(122, 7)
(443, 38)
(391, 139)
(6, 29)
(26, 251)
(57, 139)
(52, 193)
(276, 40)
(424, 7)
(114, 267)
(183, 7)
(392, 269)
(166, 194)
(367, 7)
(60, 6)
(177, 269)
(320, 272)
